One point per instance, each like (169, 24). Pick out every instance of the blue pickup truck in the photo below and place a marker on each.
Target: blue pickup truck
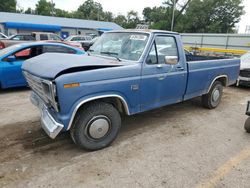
(125, 72)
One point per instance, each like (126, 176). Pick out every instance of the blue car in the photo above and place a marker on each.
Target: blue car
(12, 58)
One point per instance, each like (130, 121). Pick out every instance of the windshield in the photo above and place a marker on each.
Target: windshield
(8, 49)
(127, 46)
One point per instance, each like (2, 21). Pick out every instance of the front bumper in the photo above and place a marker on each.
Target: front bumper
(241, 78)
(49, 124)
(243, 81)
(248, 109)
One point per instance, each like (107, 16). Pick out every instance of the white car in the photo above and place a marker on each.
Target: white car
(244, 78)
(86, 41)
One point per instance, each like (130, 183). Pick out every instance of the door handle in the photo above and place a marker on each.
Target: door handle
(180, 68)
(160, 66)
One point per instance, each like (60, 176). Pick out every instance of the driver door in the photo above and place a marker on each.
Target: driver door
(12, 74)
(162, 84)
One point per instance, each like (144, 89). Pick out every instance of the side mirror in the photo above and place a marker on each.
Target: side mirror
(11, 58)
(171, 60)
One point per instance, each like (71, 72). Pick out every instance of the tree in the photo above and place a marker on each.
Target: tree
(132, 19)
(217, 16)
(8, 6)
(107, 16)
(226, 15)
(45, 8)
(121, 20)
(29, 11)
(158, 17)
(90, 10)
(62, 13)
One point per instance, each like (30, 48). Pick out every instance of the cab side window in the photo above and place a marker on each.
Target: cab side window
(166, 46)
(163, 46)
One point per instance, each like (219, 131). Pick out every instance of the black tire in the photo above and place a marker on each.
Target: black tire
(87, 126)
(247, 125)
(212, 99)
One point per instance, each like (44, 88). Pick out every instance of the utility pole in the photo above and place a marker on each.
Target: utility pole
(247, 31)
(172, 24)
(52, 8)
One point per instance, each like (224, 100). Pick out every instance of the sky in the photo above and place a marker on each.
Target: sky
(123, 6)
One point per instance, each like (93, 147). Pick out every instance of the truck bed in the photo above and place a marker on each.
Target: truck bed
(202, 73)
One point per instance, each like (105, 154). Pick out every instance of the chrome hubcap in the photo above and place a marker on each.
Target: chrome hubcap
(216, 95)
(98, 127)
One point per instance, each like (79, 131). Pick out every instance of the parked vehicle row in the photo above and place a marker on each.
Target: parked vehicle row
(86, 41)
(20, 47)
(125, 72)
(34, 36)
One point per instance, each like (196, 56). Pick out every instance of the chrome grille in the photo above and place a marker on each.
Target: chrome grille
(245, 73)
(35, 84)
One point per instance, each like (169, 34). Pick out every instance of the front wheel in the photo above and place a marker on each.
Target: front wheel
(247, 125)
(212, 99)
(96, 126)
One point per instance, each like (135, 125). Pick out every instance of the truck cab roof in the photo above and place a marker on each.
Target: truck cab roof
(144, 31)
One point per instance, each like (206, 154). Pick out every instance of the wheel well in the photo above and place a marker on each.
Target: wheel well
(223, 80)
(118, 103)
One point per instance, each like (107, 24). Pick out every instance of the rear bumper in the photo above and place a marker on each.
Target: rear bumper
(49, 124)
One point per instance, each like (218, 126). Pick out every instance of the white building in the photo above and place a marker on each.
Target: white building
(12, 23)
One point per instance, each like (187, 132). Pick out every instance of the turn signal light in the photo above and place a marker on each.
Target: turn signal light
(72, 85)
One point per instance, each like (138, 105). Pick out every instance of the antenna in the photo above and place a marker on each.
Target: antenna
(172, 23)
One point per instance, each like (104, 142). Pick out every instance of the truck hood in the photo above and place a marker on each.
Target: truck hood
(244, 65)
(52, 65)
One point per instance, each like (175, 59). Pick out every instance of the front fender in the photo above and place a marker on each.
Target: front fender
(69, 117)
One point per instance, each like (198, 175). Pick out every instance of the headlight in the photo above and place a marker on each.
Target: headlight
(49, 90)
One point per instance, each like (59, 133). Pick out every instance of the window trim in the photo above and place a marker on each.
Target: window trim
(156, 53)
(154, 43)
(178, 54)
(18, 51)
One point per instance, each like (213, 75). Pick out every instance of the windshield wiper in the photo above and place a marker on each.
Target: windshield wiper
(112, 53)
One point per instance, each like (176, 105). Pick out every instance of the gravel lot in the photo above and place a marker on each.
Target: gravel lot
(182, 145)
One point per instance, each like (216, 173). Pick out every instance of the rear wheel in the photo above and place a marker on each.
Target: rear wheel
(247, 125)
(96, 126)
(212, 99)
